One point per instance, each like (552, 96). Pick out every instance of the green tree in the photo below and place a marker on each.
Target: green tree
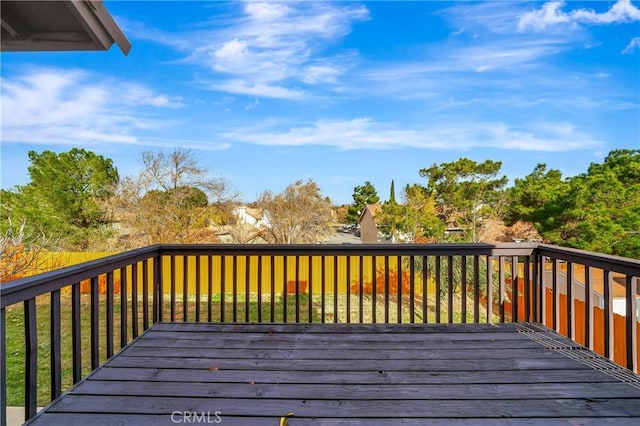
(466, 192)
(542, 197)
(605, 206)
(65, 198)
(392, 193)
(598, 210)
(362, 195)
(413, 220)
(300, 214)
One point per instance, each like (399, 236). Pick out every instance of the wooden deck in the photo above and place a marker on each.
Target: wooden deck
(253, 374)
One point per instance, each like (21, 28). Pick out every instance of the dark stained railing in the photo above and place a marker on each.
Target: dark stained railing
(108, 302)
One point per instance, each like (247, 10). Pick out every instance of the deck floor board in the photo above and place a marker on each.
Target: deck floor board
(374, 374)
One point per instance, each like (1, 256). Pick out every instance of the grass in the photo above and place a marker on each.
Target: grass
(219, 309)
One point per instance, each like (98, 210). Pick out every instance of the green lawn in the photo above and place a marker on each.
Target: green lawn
(15, 327)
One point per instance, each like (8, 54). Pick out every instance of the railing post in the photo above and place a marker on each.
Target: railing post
(631, 323)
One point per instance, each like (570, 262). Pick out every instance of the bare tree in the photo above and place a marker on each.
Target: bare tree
(298, 215)
(21, 252)
(172, 200)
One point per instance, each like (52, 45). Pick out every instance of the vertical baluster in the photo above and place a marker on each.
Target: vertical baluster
(198, 286)
(631, 285)
(609, 348)
(537, 312)
(185, 288)
(259, 283)
(210, 289)
(361, 289)
(273, 288)
(425, 288)
(386, 290)
(537, 293)
(399, 288)
(223, 279)
(285, 284)
(158, 289)
(555, 300)
(543, 291)
(247, 287)
(463, 289)
(335, 289)
(476, 289)
(310, 289)
(134, 300)
(234, 280)
(31, 358)
(76, 327)
(348, 292)
(450, 288)
(527, 290)
(412, 289)
(323, 290)
(438, 289)
(374, 285)
(123, 308)
(95, 341)
(297, 275)
(514, 289)
(570, 317)
(588, 309)
(489, 289)
(174, 278)
(145, 294)
(501, 289)
(54, 335)
(109, 315)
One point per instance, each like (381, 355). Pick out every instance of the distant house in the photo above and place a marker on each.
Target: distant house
(249, 227)
(368, 226)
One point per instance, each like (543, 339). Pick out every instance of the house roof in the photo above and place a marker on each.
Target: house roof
(373, 210)
(59, 26)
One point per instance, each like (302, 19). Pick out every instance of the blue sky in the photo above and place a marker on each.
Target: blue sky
(338, 92)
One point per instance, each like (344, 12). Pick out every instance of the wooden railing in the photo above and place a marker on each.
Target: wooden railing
(78, 317)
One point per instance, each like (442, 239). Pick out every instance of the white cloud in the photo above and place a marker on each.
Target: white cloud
(365, 133)
(243, 87)
(551, 14)
(269, 49)
(632, 46)
(55, 106)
